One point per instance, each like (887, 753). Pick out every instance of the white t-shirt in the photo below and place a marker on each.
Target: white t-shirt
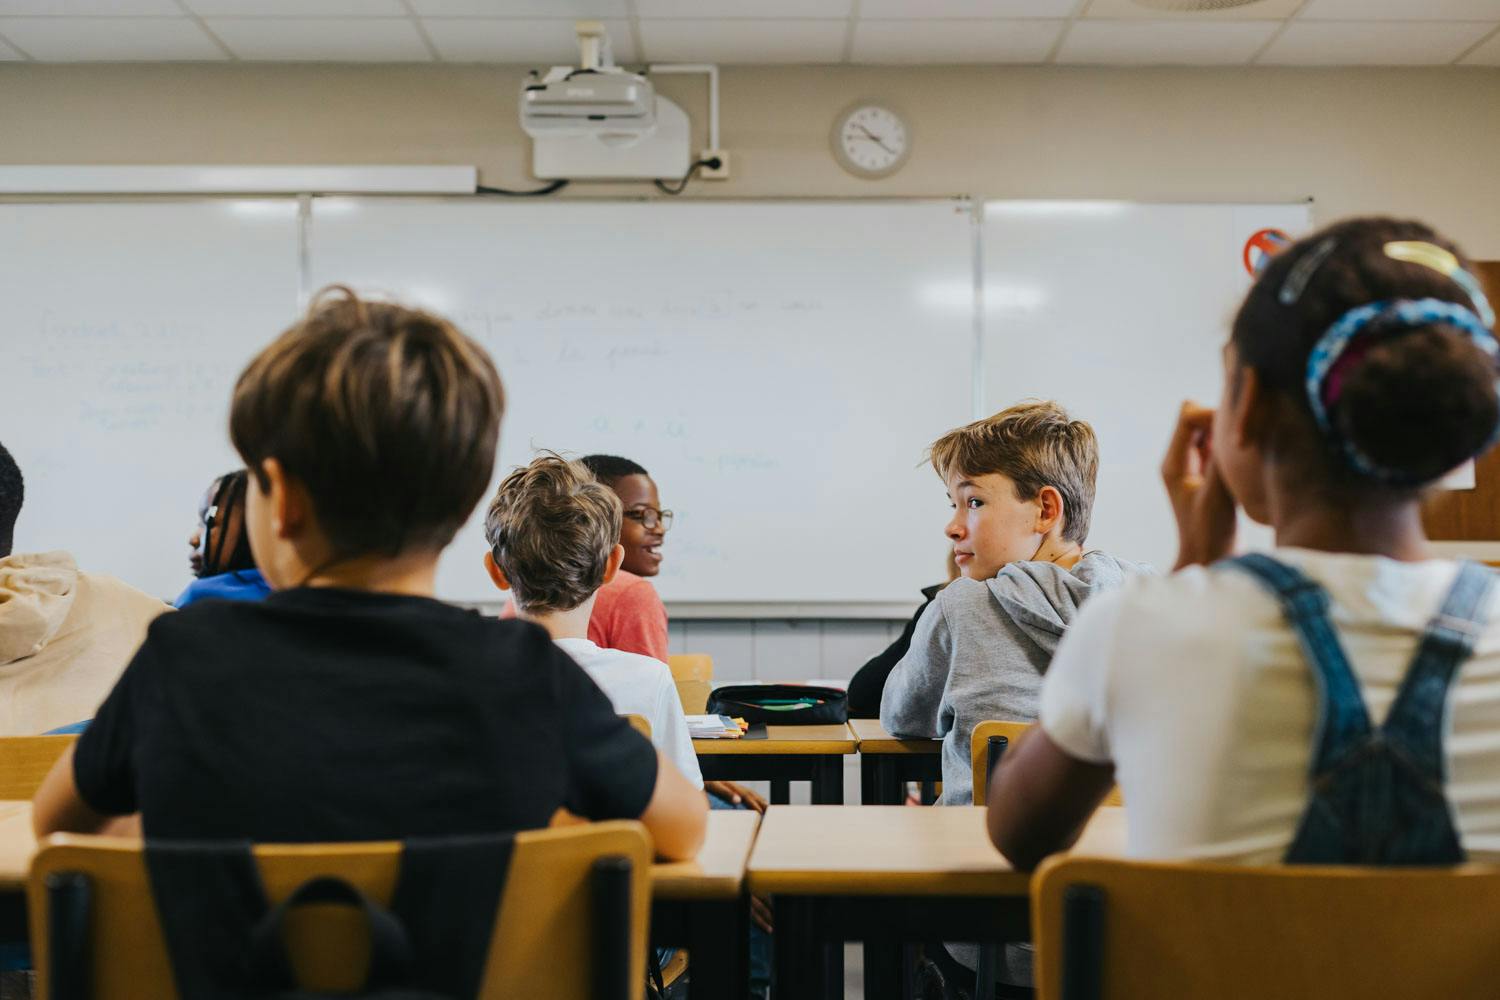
(639, 685)
(1198, 691)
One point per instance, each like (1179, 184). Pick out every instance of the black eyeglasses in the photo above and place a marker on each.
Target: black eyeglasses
(650, 517)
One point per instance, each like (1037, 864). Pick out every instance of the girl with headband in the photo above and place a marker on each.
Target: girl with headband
(1334, 700)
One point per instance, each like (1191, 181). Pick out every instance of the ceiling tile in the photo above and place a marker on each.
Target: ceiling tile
(525, 42)
(296, 8)
(84, 8)
(1401, 10)
(1264, 10)
(521, 8)
(744, 8)
(321, 39)
(1165, 43)
(1487, 54)
(880, 9)
(948, 42)
(110, 39)
(1353, 43)
(736, 41)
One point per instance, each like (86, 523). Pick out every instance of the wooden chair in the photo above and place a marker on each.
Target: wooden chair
(1130, 930)
(985, 752)
(639, 723)
(571, 923)
(694, 675)
(25, 761)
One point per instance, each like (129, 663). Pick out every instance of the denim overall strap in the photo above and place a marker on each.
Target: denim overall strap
(1343, 722)
(1415, 721)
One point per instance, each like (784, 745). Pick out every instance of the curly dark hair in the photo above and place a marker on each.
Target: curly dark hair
(12, 494)
(1416, 401)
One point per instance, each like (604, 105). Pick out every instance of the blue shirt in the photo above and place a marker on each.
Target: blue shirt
(241, 585)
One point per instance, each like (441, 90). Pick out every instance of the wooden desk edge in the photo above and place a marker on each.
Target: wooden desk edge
(804, 882)
(782, 748)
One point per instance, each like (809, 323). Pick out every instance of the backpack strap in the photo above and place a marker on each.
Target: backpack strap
(1448, 641)
(1342, 720)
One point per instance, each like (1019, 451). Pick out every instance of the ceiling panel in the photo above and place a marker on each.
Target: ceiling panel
(1402, 10)
(879, 9)
(110, 39)
(321, 39)
(520, 8)
(538, 43)
(1274, 10)
(1018, 41)
(742, 42)
(1352, 43)
(297, 8)
(83, 8)
(744, 8)
(1165, 43)
(1487, 54)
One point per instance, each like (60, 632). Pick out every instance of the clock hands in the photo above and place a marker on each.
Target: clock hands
(874, 138)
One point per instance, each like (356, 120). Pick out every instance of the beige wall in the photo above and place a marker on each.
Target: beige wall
(1418, 142)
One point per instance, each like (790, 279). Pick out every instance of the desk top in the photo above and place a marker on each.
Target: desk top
(833, 739)
(874, 739)
(717, 873)
(898, 851)
(719, 870)
(17, 844)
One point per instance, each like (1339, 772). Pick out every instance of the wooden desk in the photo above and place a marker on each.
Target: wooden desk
(701, 905)
(886, 763)
(789, 753)
(17, 845)
(888, 876)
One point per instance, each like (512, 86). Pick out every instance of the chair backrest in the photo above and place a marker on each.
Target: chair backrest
(639, 723)
(979, 751)
(25, 761)
(980, 761)
(691, 666)
(546, 940)
(1242, 933)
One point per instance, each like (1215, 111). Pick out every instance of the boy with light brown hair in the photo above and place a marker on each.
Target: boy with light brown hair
(554, 536)
(351, 704)
(1021, 483)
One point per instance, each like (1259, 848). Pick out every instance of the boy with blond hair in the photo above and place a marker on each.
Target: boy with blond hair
(351, 704)
(1022, 487)
(554, 532)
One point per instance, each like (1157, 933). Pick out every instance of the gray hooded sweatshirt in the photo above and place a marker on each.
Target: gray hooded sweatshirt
(980, 650)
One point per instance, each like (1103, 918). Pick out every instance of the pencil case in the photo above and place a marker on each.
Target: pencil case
(781, 704)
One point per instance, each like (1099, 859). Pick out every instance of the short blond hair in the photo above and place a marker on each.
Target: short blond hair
(1033, 444)
(551, 528)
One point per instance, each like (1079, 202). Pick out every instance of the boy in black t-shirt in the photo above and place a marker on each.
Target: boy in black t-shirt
(352, 705)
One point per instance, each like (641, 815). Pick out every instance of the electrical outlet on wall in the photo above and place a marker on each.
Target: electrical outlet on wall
(719, 173)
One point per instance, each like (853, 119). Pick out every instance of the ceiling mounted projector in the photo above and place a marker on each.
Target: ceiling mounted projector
(601, 122)
(598, 98)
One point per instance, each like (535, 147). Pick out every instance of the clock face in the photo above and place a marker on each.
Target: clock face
(871, 141)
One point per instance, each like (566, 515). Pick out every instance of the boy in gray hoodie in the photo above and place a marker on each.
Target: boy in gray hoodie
(1022, 486)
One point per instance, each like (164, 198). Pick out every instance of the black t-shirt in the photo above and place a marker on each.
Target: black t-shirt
(326, 715)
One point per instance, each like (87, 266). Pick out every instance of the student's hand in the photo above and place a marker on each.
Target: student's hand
(735, 794)
(760, 912)
(1201, 501)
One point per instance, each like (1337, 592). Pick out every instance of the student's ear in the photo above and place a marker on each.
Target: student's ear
(1249, 409)
(1049, 509)
(612, 564)
(497, 575)
(290, 507)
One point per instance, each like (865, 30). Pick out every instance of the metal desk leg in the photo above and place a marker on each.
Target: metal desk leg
(828, 781)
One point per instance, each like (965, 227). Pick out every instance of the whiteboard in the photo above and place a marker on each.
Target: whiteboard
(779, 367)
(1118, 311)
(124, 328)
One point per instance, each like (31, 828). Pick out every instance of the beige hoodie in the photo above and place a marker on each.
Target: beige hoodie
(65, 637)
